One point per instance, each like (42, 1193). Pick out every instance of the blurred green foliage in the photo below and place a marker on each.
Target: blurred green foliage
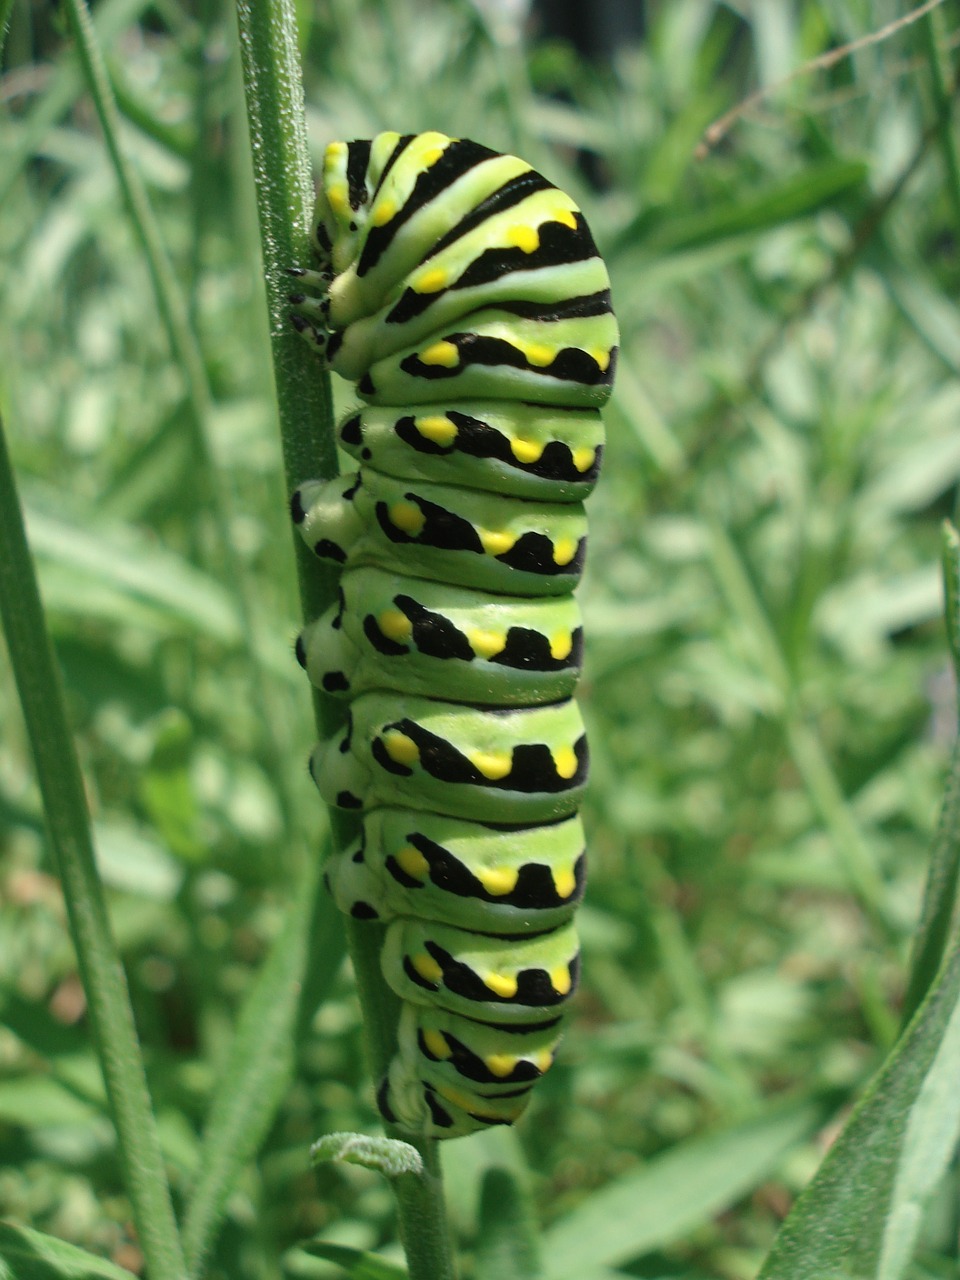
(768, 690)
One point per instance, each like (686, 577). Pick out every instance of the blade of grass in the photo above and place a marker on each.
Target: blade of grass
(32, 1255)
(675, 1192)
(804, 743)
(507, 1243)
(837, 1226)
(940, 894)
(255, 1077)
(174, 315)
(61, 785)
(935, 41)
(113, 16)
(6, 8)
(275, 109)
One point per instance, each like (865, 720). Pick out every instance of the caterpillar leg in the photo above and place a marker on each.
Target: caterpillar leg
(326, 516)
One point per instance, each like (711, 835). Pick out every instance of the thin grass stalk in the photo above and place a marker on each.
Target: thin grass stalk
(6, 8)
(175, 318)
(68, 824)
(803, 741)
(271, 66)
(938, 914)
(255, 1076)
(935, 40)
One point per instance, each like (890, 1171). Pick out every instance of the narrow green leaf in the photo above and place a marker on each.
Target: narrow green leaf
(837, 1226)
(252, 1084)
(951, 592)
(31, 1255)
(507, 1245)
(929, 1144)
(940, 893)
(797, 197)
(675, 1192)
(65, 809)
(357, 1264)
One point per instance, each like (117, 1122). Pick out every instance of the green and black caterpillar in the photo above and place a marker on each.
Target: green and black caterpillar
(464, 296)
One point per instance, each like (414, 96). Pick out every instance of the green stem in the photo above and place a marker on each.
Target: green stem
(935, 41)
(61, 786)
(271, 68)
(937, 916)
(6, 8)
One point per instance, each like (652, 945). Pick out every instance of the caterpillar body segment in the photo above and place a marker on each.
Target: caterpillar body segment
(518, 450)
(389, 631)
(504, 880)
(521, 548)
(464, 296)
(523, 765)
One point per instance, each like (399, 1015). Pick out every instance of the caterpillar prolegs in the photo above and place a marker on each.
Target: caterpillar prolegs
(463, 294)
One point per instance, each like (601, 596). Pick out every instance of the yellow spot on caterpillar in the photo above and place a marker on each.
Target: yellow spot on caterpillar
(564, 881)
(543, 1060)
(431, 281)
(538, 353)
(583, 458)
(412, 861)
(438, 429)
(567, 217)
(602, 358)
(400, 748)
(564, 549)
(523, 237)
(492, 764)
(500, 1064)
(395, 625)
(496, 542)
(432, 156)
(427, 967)
(526, 450)
(561, 645)
(498, 880)
(408, 517)
(501, 984)
(565, 762)
(485, 644)
(386, 210)
(560, 979)
(443, 353)
(337, 198)
(437, 1044)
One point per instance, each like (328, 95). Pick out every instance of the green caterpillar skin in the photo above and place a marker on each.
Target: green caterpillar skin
(452, 535)
(394, 632)
(514, 881)
(525, 450)
(463, 295)
(524, 764)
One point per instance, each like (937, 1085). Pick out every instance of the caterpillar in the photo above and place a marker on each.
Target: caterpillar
(463, 295)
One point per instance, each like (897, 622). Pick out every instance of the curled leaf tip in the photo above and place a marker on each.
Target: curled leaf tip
(387, 1155)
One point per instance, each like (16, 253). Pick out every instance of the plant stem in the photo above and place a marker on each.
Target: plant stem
(934, 38)
(68, 824)
(275, 110)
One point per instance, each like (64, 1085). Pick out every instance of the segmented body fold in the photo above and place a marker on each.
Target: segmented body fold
(463, 294)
